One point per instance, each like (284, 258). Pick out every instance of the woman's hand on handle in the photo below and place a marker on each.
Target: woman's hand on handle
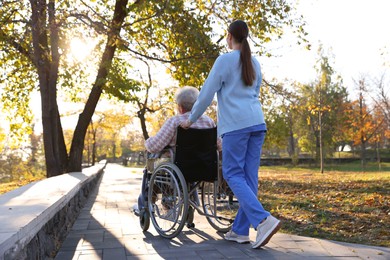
(186, 124)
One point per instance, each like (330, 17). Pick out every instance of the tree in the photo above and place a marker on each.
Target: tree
(108, 133)
(2, 140)
(34, 36)
(39, 47)
(382, 131)
(322, 108)
(382, 104)
(137, 91)
(187, 49)
(365, 123)
(275, 99)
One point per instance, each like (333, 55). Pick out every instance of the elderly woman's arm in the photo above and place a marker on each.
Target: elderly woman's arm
(164, 136)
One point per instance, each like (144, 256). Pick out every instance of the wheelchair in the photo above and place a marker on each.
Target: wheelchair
(189, 180)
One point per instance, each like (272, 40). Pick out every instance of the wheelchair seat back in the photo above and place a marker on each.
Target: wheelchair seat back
(196, 154)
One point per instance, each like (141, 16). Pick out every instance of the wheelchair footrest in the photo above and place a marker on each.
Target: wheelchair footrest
(136, 210)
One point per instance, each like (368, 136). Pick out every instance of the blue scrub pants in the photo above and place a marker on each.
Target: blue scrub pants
(241, 152)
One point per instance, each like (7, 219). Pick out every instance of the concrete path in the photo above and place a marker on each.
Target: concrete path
(108, 229)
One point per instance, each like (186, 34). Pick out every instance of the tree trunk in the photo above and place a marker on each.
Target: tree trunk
(291, 138)
(361, 131)
(363, 154)
(378, 156)
(321, 143)
(318, 147)
(94, 152)
(46, 60)
(76, 150)
(114, 151)
(141, 116)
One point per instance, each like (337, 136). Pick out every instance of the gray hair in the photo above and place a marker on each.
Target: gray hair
(186, 97)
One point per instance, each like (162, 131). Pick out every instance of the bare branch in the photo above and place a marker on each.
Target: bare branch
(278, 89)
(100, 26)
(165, 60)
(94, 12)
(382, 101)
(97, 25)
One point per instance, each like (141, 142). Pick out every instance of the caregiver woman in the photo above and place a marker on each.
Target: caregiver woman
(236, 78)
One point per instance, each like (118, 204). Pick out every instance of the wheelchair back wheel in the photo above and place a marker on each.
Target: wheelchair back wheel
(220, 205)
(168, 200)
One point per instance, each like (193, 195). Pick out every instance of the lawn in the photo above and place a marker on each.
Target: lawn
(351, 206)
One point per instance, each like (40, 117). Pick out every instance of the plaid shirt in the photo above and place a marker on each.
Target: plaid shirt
(167, 134)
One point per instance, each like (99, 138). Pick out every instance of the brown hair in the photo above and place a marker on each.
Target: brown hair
(239, 30)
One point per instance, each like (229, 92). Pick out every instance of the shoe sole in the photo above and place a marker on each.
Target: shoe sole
(274, 230)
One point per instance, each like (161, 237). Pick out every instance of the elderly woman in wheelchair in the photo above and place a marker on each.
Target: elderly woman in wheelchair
(181, 165)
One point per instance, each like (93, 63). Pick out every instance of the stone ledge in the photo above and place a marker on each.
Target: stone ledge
(29, 214)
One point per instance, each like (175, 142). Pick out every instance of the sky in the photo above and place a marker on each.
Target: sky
(354, 32)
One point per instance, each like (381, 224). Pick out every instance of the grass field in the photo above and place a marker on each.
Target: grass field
(349, 205)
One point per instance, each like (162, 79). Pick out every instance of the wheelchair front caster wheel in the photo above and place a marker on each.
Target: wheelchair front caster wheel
(190, 215)
(190, 225)
(144, 219)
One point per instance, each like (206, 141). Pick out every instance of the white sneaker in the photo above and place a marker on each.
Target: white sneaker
(265, 230)
(231, 236)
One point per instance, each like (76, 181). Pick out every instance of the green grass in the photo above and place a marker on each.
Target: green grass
(350, 206)
(370, 153)
(345, 167)
(357, 167)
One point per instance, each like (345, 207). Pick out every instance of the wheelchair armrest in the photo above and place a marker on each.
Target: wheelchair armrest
(167, 149)
(163, 155)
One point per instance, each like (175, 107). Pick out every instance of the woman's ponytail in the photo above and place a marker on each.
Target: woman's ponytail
(239, 30)
(248, 73)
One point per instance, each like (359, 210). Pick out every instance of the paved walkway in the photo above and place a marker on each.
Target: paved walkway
(107, 229)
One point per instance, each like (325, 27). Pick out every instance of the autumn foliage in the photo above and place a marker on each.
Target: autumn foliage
(345, 206)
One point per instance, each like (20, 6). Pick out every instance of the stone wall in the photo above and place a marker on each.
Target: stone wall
(39, 219)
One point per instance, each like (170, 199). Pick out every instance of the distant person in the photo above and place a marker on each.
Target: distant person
(236, 78)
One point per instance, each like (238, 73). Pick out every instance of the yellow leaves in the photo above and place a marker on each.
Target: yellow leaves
(375, 200)
(387, 133)
(6, 187)
(308, 120)
(314, 109)
(351, 207)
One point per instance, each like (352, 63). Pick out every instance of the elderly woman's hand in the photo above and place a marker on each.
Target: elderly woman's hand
(186, 124)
